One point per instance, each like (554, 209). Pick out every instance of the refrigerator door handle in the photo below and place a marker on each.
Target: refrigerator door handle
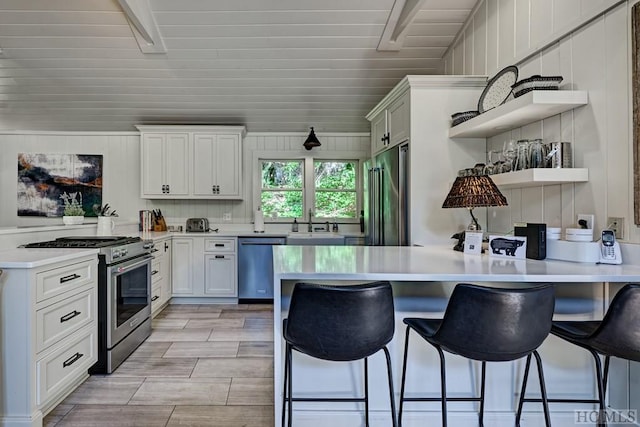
(381, 240)
(372, 208)
(376, 225)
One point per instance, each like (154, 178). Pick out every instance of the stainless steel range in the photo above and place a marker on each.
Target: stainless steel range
(124, 294)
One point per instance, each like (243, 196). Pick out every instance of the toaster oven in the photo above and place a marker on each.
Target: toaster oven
(197, 225)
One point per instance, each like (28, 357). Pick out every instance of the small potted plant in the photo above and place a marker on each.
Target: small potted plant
(73, 212)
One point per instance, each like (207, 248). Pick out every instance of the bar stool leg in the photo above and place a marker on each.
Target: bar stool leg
(606, 372)
(482, 382)
(601, 416)
(543, 390)
(404, 375)
(290, 387)
(391, 392)
(443, 386)
(523, 390)
(366, 392)
(284, 392)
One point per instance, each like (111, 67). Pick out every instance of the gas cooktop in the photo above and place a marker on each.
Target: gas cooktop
(85, 242)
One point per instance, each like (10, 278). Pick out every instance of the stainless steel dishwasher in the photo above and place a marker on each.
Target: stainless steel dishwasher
(255, 267)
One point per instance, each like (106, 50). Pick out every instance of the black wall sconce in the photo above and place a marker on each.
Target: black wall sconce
(312, 140)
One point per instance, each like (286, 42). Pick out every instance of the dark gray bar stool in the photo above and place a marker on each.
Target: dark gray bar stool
(338, 323)
(616, 335)
(488, 325)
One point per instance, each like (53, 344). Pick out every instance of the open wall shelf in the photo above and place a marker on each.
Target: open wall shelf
(540, 176)
(528, 108)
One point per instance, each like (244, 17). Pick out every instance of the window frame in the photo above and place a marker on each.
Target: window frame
(356, 190)
(308, 193)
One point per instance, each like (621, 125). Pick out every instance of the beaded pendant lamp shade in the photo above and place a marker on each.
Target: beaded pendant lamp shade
(474, 192)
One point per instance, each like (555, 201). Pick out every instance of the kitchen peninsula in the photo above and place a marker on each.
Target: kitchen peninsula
(423, 278)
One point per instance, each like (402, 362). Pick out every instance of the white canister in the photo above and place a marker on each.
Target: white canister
(258, 222)
(105, 226)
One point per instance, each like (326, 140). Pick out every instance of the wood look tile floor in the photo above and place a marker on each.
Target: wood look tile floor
(203, 365)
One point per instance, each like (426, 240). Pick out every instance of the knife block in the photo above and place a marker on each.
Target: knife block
(159, 224)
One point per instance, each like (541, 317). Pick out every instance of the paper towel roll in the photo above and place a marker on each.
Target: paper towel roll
(258, 222)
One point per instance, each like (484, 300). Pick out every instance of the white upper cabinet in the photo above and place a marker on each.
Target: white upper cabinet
(191, 162)
(390, 125)
(165, 164)
(216, 164)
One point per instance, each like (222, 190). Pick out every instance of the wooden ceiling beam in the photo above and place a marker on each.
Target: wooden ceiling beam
(144, 26)
(402, 14)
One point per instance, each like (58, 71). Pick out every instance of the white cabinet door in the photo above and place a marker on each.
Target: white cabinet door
(182, 262)
(228, 165)
(153, 160)
(398, 121)
(379, 133)
(177, 164)
(165, 268)
(217, 166)
(220, 275)
(165, 165)
(391, 126)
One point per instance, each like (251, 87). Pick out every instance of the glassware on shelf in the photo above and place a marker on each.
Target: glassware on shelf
(509, 155)
(521, 160)
(494, 162)
(537, 154)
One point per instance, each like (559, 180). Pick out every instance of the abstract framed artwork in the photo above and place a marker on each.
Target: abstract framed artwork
(43, 178)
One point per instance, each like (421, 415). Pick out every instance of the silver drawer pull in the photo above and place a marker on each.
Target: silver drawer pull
(155, 297)
(69, 278)
(73, 359)
(70, 316)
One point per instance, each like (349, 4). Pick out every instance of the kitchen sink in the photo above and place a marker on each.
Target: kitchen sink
(315, 238)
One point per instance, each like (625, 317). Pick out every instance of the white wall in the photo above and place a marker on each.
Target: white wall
(121, 178)
(588, 43)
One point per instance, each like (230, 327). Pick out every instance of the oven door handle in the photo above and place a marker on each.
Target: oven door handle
(126, 267)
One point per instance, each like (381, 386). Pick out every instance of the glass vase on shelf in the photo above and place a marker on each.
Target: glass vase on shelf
(509, 155)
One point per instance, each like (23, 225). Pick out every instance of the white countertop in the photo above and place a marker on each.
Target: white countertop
(30, 258)
(433, 264)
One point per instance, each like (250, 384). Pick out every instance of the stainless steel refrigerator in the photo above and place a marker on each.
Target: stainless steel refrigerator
(386, 202)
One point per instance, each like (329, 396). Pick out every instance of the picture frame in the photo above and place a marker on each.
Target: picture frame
(512, 247)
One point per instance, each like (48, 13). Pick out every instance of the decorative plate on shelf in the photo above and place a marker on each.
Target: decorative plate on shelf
(498, 89)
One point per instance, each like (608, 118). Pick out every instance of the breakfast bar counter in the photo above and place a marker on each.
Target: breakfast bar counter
(422, 279)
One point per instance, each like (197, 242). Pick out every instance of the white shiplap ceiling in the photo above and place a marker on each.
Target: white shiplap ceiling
(272, 65)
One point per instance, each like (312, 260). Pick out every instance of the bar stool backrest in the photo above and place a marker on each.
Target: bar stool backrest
(496, 324)
(340, 323)
(619, 332)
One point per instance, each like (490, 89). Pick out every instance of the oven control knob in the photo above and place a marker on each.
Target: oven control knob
(123, 252)
(115, 254)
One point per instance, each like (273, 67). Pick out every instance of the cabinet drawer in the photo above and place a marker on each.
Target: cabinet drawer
(156, 296)
(70, 361)
(55, 322)
(156, 271)
(219, 245)
(58, 280)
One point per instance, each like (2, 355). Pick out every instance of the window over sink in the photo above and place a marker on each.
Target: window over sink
(289, 188)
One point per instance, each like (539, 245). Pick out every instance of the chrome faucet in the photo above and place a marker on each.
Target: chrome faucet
(310, 228)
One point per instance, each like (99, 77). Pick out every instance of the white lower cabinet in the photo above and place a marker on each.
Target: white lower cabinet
(49, 336)
(182, 266)
(220, 275)
(204, 267)
(160, 275)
